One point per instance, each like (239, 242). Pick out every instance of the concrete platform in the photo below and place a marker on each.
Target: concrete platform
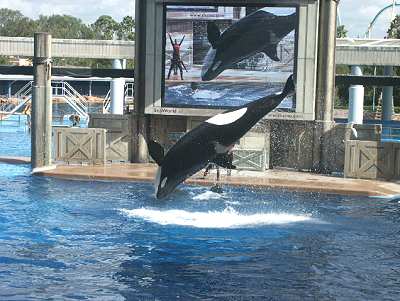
(281, 179)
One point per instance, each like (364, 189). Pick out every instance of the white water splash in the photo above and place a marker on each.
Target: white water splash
(208, 195)
(207, 94)
(228, 218)
(177, 87)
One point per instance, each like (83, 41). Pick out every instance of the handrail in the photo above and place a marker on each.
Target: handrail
(59, 88)
(22, 92)
(74, 105)
(129, 92)
(107, 102)
(76, 93)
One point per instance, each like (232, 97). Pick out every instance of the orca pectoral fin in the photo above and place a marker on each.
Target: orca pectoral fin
(156, 151)
(271, 51)
(224, 161)
(213, 33)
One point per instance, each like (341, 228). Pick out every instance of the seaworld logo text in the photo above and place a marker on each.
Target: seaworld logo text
(165, 110)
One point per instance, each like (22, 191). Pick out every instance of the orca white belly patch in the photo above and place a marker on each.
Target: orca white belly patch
(227, 118)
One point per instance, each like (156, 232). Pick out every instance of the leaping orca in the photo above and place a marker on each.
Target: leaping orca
(260, 31)
(211, 141)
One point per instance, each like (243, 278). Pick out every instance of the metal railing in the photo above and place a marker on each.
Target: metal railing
(391, 133)
(22, 96)
(59, 89)
(107, 103)
(129, 94)
(71, 96)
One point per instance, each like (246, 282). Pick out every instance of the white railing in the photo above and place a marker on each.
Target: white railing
(25, 90)
(11, 110)
(22, 96)
(60, 89)
(107, 103)
(129, 91)
(129, 94)
(71, 96)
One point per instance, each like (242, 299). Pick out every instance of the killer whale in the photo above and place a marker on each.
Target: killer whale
(210, 141)
(260, 31)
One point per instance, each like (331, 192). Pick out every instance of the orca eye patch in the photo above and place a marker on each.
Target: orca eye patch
(227, 118)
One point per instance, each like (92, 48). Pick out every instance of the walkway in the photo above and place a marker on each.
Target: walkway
(280, 179)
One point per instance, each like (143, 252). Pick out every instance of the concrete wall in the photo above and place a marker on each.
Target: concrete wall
(77, 145)
(290, 143)
(372, 160)
(287, 143)
(119, 135)
(162, 126)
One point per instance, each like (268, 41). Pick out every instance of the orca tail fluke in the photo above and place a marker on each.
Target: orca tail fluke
(156, 151)
(290, 87)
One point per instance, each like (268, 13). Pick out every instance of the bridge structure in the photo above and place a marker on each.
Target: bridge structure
(349, 51)
(353, 52)
(369, 52)
(72, 48)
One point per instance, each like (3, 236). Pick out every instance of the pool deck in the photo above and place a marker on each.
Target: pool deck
(274, 178)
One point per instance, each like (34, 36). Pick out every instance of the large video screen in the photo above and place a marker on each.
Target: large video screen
(227, 56)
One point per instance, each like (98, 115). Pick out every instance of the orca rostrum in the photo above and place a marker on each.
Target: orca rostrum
(211, 141)
(260, 31)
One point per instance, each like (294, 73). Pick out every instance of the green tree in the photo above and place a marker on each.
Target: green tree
(14, 24)
(105, 28)
(64, 27)
(126, 29)
(394, 33)
(394, 29)
(341, 32)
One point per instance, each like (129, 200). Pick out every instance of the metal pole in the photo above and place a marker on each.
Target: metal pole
(9, 89)
(325, 92)
(41, 102)
(387, 96)
(393, 15)
(140, 119)
(374, 93)
(356, 99)
(117, 91)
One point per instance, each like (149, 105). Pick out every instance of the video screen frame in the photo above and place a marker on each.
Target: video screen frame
(148, 56)
(227, 4)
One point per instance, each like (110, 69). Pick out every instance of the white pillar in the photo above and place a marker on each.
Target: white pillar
(387, 96)
(117, 91)
(356, 99)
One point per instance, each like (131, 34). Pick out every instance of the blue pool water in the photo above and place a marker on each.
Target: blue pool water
(74, 240)
(15, 138)
(221, 95)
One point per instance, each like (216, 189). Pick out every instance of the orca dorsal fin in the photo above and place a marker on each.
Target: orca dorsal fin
(271, 51)
(213, 34)
(156, 151)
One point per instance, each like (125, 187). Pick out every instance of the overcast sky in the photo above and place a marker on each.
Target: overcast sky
(355, 14)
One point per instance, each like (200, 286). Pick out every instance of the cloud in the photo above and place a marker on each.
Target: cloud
(88, 10)
(357, 15)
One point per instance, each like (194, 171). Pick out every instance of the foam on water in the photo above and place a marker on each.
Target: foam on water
(228, 218)
(207, 94)
(208, 195)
